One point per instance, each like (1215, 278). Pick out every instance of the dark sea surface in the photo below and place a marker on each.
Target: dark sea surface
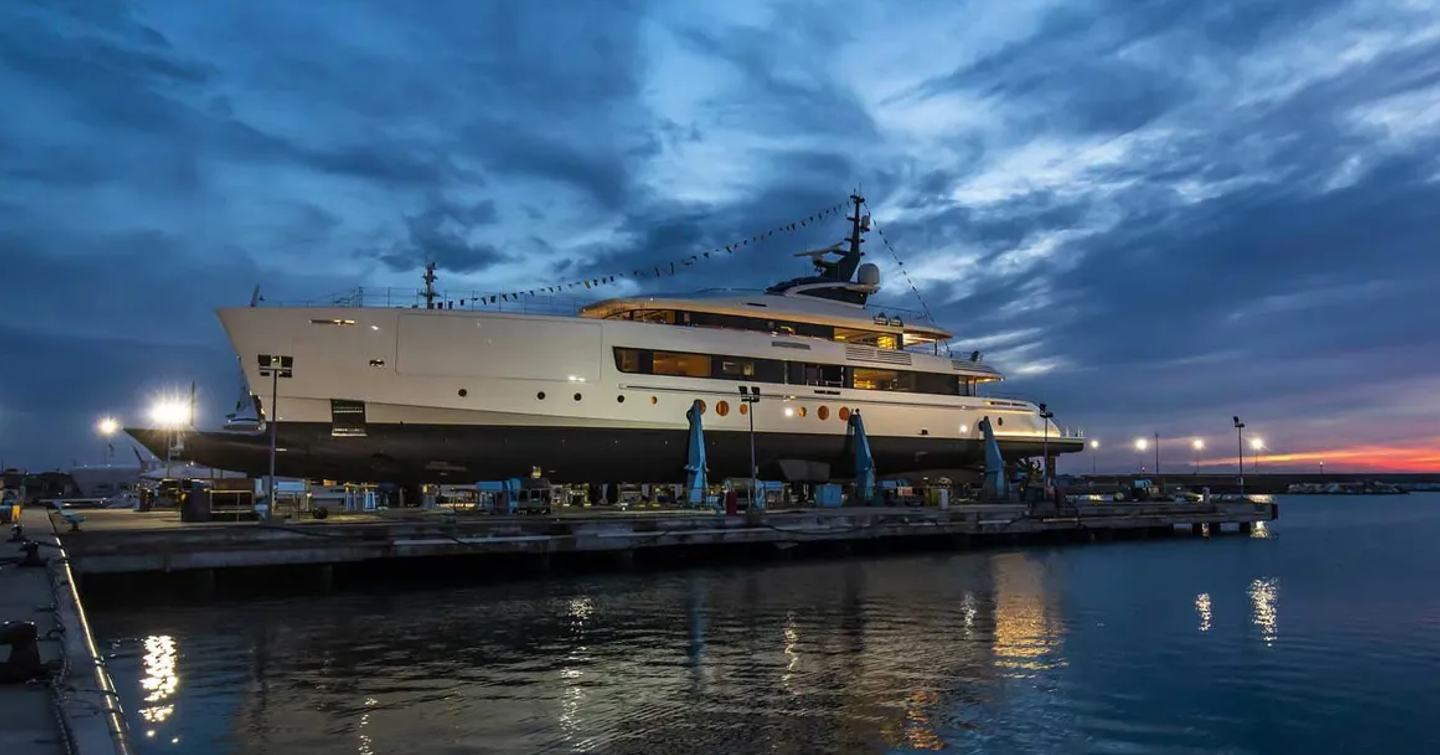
(1319, 634)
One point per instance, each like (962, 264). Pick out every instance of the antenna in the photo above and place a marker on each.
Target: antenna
(429, 278)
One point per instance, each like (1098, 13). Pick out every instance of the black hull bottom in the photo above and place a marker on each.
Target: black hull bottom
(466, 453)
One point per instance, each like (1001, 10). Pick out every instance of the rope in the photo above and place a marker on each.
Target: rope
(900, 264)
(668, 268)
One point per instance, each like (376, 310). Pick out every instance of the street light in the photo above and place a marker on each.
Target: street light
(1240, 450)
(274, 366)
(1094, 446)
(107, 427)
(170, 414)
(751, 395)
(1257, 445)
(1140, 445)
(1199, 445)
(1045, 415)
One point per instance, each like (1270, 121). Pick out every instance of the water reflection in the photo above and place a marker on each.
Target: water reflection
(1202, 607)
(1263, 611)
(1026, 635)
(367, 744)
(968, 612)
(160, 681)
(884, 652)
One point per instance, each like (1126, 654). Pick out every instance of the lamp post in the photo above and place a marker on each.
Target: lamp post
(1045, 415)
(751, 395)
(274, 366)
(1157, 454)
(1140, 445)
(1257, 445)
(1199, 445)
(107, 427)
(1240, 450)
(1094, 446)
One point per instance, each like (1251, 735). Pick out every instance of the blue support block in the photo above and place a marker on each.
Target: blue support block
(996, 486)
(864, 461)
(695, 477)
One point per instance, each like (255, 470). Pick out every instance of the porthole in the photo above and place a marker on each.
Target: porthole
(540, 395)
(700, 405)
(722, 408)
(577, 397)
(462, 393)
(654, 400)
(844, 414)
(804, 411)
(1000, 421)
(823, 412)
(620, 399)
(744, 408)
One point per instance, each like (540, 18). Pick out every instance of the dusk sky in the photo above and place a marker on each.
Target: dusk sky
(1152, 216)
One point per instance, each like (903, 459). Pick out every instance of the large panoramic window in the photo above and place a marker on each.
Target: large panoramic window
(648, 362)
(675, 363)
(728, 322)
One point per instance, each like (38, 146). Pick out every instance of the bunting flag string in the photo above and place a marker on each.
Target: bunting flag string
(660, 270)
(900, 265)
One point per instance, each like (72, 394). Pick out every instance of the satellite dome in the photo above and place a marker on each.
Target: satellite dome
(868, 275)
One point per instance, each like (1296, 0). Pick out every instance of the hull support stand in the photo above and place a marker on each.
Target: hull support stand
(864, 460)
(695, 477)
(996, 488)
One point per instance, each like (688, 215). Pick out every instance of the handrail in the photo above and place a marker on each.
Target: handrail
(67, 597)
(391, 297)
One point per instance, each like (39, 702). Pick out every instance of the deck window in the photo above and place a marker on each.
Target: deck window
(676, 363)
(732, 367)
(718, 367)
(874, 338)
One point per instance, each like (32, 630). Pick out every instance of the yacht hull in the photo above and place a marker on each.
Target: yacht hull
(405, 396)
(415, 453)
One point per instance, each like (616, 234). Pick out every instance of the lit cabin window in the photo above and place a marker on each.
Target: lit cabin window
(727, 367)
(876, 380)
(868, 338)
(688, 365)
(331, 321)
(737, 368)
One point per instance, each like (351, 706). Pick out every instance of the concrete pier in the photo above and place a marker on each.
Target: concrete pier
(76, 709)
(126, 542)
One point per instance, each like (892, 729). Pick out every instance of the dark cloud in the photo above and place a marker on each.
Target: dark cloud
(1150, 214)
(448, 234)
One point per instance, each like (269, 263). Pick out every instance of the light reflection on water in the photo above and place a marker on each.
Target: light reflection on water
(1041, 649)
(160, 683)
(1264, 609)
(1202, 607)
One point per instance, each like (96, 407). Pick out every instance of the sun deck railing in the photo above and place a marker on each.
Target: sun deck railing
(521, 303)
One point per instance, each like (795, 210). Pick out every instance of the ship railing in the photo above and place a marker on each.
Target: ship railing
(524, 301)
(474, 301)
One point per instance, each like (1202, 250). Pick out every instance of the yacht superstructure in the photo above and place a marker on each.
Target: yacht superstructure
(429, 395)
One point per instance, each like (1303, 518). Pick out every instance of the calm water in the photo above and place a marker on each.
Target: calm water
(1322, 635)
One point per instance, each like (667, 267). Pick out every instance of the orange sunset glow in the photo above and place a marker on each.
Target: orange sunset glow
(1420, 456)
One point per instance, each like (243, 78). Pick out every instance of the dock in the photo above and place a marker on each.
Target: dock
(74, 708)
(125, 542)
